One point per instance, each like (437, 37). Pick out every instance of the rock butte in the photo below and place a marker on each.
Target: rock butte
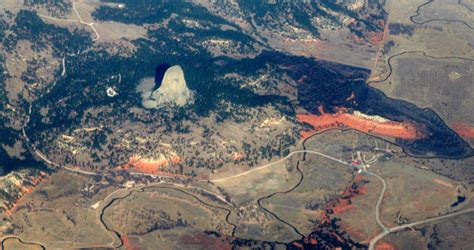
(173, 90)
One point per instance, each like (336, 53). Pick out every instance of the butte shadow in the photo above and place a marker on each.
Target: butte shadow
(159, 74)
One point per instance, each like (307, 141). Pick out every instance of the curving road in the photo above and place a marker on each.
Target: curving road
(43, 157)
(116, 235)
(377, 238)
(379, 201)
(109, 200)
(304, 151)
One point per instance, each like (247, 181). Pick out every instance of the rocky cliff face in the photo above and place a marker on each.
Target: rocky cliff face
(172, 91)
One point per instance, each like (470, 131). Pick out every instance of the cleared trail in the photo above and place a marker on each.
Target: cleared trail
(281, 160)
(81, 21)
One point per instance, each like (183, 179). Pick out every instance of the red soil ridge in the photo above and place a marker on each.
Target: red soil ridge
(148, 166)
(463, 129)
(403, 130)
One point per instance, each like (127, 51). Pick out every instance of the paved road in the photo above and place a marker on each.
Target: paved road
(386, 231)
(374, 241)
(280, 160)
(379, 201)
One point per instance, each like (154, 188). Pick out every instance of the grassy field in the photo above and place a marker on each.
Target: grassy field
(58, 214)
(14, 243)
(303, 207)
(163, 216)
(413, 193)
(245, 190)
(271, 203)
(415, 188)
(443, 85)
(430, 55)
(455, 233)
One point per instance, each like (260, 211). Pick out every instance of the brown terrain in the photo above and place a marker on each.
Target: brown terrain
(24, 190)
(343, 202)
(380, 40)
(337, 206)
(353, 200)
(426, 59)
(66, 203)
(203, 240)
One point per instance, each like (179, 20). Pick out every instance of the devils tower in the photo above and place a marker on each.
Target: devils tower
(171, 91)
